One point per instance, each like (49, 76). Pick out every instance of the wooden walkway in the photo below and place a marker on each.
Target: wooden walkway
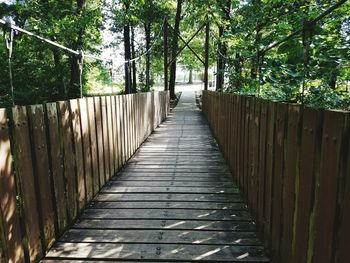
(174, 201)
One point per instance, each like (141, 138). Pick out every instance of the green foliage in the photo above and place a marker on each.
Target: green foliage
(282, 72)
(42, 72)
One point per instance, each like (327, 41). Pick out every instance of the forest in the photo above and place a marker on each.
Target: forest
(282, 50)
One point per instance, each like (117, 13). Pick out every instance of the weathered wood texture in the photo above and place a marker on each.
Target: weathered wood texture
(165, 205)
(292, 164)
(54, 159)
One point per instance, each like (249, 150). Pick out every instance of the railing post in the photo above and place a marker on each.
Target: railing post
(206, 76)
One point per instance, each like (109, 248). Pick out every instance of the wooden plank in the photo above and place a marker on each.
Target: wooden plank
(240, 149)
(118, 133)
(262, 164)
(171, 189)
(167, 204)
(42, 173)
(160, 224)
(110, 135)
(57, 167)
(224, 215)
(115, 134)
(172, 183)
(121, 129)
(343, 233)
(162, 237)
(87, 156)
(25, 177)
(152, 113)
(170, 177)
(326, 201)
(100, 141)
(277, 185)
(129, 126)
(66, 136)
(125, 127)
(271, 111)
(164, 252)
(309, 157)
(255, 155)
(94, 145)
(105, 129)
(290, 177)
(78, 151)
(202, 197)
(132, 123)
(10, 223)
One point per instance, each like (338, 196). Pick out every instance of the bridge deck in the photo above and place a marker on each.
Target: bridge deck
(175, 201)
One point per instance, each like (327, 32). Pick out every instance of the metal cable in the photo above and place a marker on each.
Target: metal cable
(219, 52)
(9, 45)
(300, 30)
(53, 43)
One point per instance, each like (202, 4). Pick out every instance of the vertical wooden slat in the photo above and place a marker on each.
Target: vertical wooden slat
(123, 125)
(42, 173)
(25, 177)
(310, 139)
(250, 153)
(333, 129)
(100, 141)
(66, 136)
(256, 156)
(79, 163)
(85, 135)
(270, 149)
(278, 176)
(120, 130)
(129, 130)
(262, 164)
(132, 124)
(115, 134)
(105, 129)
(245, 148)
(57, 167)
(94, 145)
(138, 122)
(239, 140)
(342, 252)
(291, 173)
(110, 135)
(152, 112)
(9, 214)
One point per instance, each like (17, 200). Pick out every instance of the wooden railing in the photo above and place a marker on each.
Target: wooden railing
(293, 166)
(54, 158)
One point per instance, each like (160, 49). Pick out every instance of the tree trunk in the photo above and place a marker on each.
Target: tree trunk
(148, 55)
(190, 77)
(74, 90)
(127, 52)
(134, 78)
(220, 62)
(174, 49)
(60, 92)
(238, 71)
(333, 79)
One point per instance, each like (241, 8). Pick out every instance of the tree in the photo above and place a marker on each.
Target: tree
(174, 49)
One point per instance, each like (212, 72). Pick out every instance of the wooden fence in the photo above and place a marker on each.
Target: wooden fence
(54, 158)
(293, 167)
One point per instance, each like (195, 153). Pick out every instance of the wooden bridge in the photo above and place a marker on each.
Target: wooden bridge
(87, 181)
(175, 200)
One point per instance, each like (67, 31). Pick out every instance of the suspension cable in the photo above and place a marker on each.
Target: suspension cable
(300, 30)
(9, 45)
